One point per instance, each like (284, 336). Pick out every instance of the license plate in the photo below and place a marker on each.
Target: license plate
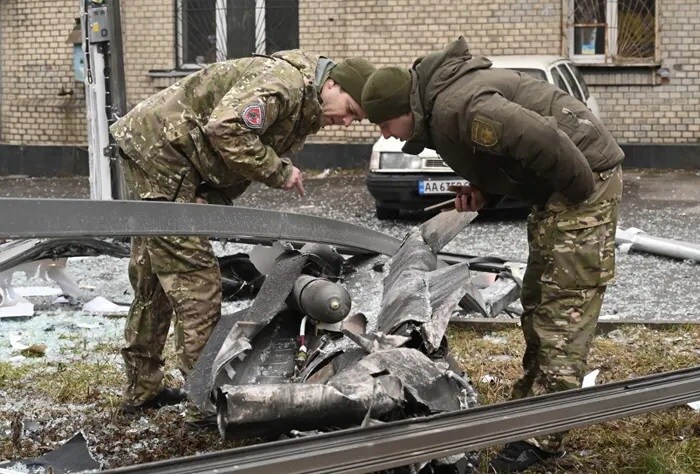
(439, 186)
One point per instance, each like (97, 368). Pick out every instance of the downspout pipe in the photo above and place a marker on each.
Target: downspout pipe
(636, 239)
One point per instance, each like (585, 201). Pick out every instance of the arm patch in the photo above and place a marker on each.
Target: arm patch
(254, 116)
(486, 132)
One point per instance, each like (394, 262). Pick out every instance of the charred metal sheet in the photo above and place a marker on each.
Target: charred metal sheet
(382, 385)
(239, 277)
(441, 229)
(352, 378)
(499, 295)
(443, 307)
(73, 456)
(17, 252)
(34, 218)
(270, 300)
(254, 330)
(370, 449)
(407, 304)
(200, 380)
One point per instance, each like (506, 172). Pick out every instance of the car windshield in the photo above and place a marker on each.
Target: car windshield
(536, 73)
(579, 78)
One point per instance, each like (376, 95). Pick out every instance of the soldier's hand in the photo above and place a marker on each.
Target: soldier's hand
(468, 198)
(294, 182)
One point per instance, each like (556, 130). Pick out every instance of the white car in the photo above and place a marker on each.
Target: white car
(402, 182)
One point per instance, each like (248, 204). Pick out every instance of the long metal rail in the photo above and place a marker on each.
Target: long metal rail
(410, 441)
(26, 218)
(36, 218)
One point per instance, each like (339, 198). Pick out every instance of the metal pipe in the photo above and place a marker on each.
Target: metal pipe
(637, 239)
(117, 86)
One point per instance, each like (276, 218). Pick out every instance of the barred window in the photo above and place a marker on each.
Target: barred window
(216, 30)
(612, 31)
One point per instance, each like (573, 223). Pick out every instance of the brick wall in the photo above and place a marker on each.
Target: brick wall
(395, 32)
(40, 101)
(636, 104)
(148, 32)
(661, 111)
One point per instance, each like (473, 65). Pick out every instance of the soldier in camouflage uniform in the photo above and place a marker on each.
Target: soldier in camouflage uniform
(205, 139)
(508, 133)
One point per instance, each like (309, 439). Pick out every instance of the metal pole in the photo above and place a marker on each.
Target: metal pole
(98, 133)
(260, 27)
(636, 239)
(117, 86)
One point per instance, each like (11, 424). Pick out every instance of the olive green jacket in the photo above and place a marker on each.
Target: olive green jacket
(232, 121)
(504, 131)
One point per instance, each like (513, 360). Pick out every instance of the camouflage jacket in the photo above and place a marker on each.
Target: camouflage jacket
(232, 120)
(504, 131)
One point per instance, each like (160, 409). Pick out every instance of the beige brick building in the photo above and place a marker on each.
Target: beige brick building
(651, 101)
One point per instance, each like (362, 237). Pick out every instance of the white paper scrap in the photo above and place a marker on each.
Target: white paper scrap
(589, 379)
(695, 405)
(100, 304)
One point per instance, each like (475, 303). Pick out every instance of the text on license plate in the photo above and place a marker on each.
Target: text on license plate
(439, 186)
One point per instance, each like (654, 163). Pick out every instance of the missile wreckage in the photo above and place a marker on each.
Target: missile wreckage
(294, 362)
(313, 352)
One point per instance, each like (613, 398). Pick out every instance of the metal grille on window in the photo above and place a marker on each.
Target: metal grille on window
(216, 30)
(617, 31)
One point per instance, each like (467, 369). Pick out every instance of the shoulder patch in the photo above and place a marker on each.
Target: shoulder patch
(486, 132)
(254, 115)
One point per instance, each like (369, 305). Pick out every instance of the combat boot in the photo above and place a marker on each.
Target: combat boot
(519, 456)
(166, 396)
(196, 419)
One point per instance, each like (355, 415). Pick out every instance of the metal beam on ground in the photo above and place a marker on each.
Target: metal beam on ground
(401, 443)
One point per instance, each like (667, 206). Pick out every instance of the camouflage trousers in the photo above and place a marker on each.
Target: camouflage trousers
(173, 278)
(570, 263)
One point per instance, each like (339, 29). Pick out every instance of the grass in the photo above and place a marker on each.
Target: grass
(86, 394)
(666, 441)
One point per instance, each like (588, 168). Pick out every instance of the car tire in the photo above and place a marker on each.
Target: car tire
(384, 213)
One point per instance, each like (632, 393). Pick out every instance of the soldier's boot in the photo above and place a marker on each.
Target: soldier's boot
(520, 456)
(196, 419)
(166, 396)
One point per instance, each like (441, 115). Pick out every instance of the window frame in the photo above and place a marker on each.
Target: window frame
(609, 57)
(570, 79)
(221, 32)
(554, 73)
(580, 80)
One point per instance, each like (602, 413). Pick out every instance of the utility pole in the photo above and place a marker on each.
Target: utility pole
(105, 94)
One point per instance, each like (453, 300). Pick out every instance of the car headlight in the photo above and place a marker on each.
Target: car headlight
(398, 160)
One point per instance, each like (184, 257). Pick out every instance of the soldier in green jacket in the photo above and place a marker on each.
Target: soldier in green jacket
(205, 139)
(508, 133)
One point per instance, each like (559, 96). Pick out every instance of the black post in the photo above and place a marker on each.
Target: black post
(117, 90)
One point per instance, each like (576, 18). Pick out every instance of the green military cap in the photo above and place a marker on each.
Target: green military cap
(386, 94)
(351, 74)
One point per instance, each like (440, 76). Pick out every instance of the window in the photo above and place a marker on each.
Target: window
(612, 31)
(579, 78)
(216, 30)
(559, 81)
(569, 78)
